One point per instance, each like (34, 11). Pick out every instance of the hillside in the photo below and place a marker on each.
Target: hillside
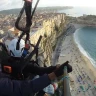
(11, 11)
(39, 9)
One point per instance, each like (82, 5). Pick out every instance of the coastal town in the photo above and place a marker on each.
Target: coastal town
(58, 45)
(88, 20)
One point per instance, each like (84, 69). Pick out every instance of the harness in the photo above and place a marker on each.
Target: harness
(29, 16)
(19, 65)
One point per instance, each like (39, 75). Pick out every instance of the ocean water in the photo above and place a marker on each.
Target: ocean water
(79, 11)
(85, 38)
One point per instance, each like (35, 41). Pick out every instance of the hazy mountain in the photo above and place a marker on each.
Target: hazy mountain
(16, 11)
(11, 11)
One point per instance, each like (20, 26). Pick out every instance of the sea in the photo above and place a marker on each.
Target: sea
(84, 37)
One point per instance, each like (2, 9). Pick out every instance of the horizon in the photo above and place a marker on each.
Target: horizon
(55, 6)
(38, 7)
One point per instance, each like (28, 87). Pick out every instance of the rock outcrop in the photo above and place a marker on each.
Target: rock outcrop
(50, 30)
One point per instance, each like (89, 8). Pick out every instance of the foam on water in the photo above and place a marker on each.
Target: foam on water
(85, 53)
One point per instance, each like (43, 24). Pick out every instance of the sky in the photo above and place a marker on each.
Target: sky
(10, 4)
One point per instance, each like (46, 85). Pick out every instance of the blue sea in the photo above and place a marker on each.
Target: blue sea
(84, 37)
(86, 41)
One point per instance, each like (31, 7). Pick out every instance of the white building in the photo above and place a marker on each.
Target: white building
(1, 32)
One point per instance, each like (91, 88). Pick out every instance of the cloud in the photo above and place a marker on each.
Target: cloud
(89, 3)
(10, 4)
(16, 3)
(4, 1)
(4, 4)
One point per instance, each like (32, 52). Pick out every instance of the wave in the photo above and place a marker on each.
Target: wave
(85, 53)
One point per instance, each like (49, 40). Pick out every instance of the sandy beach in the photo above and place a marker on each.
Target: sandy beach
(82, 79)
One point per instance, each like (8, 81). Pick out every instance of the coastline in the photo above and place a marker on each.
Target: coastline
(83, 71)
(91, 69)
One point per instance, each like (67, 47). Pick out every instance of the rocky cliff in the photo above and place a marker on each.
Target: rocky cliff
(50, 30)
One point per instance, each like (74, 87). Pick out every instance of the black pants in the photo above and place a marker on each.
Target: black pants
(40, 93)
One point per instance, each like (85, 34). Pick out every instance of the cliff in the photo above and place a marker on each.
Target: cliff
(50, 30)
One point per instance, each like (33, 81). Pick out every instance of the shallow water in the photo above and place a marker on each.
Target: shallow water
(86, 41)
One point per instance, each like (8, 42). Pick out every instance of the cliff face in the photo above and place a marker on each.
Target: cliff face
(50, 30)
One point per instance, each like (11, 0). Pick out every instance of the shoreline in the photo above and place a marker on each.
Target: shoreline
(86, 59)
(78, 26)
(83, 73)
(88, 63)
(92, 69)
